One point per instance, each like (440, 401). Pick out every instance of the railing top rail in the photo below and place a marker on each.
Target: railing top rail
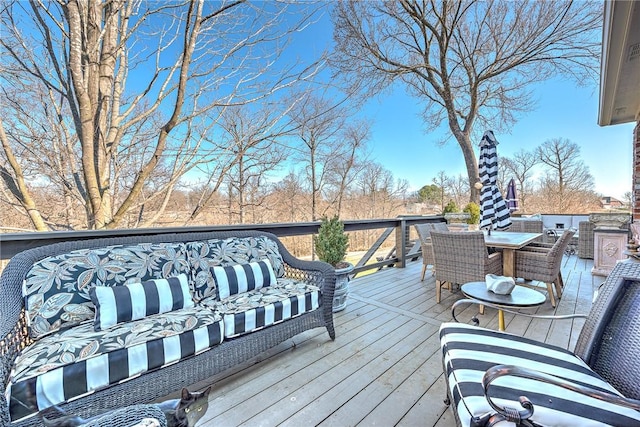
(12, 243)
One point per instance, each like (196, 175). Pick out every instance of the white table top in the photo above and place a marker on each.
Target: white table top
(509, 239)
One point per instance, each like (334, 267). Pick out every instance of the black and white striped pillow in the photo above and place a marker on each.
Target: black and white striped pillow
(238, 278)
(118, 304)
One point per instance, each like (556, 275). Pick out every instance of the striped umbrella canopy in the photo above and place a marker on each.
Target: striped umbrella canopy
(512, 198)
(494, 213)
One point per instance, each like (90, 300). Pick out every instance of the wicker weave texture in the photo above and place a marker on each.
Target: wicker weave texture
(462, 257)
(167, 380)
(424, 235)
(527, 226)
(585, 239)
(543, 265)
(616, 356)
(131, 416)
(609, 341)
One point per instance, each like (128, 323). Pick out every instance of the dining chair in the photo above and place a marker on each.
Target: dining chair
(424, 235)
(462, 257)
(585, 239)
(526, 225)
(543, 265)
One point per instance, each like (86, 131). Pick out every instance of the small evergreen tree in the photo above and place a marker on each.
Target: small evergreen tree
(331, 242)
(473, 209)
(450, 208)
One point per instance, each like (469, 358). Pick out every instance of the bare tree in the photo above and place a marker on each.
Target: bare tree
(568, 185)
(521, 167)
(289, 199)
(380, 194)
(443, 182)
(131, 83)
(318, 122)
(471, 62)
(251, 142)
(349, 159)
(459, 189)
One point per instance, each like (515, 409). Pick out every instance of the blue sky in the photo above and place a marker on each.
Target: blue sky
(400, 142)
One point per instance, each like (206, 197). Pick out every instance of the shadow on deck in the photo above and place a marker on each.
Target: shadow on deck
(384, 367)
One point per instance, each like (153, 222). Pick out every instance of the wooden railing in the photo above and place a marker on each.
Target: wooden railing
(404, 248)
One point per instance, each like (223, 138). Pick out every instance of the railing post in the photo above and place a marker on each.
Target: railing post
(401, 243)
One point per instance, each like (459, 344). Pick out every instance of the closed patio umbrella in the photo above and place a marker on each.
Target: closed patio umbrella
(512, 198)
(494, 213)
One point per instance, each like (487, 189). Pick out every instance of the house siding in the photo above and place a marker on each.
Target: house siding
(636, 173)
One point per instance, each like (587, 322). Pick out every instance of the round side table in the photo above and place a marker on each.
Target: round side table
(520, 297)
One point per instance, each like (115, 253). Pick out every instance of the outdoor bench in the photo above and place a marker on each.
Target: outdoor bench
(195, 304)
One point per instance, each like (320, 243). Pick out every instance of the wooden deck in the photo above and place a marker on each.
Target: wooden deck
(384, 368)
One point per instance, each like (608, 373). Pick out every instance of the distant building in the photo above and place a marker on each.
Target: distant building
(609, 202)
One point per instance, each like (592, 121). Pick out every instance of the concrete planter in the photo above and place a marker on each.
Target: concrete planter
(342, 288)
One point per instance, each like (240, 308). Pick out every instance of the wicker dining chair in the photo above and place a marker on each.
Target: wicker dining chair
(462, 257)
(585, 241)
(527, 226)
(543, 265)
(424, 235)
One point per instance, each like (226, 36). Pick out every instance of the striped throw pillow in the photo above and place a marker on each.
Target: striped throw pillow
(119, 304)
(235, 279)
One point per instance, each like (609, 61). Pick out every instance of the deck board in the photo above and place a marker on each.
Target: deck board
(384, 368)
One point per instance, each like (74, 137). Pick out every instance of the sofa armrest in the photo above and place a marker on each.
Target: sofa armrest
(14, 334)
(518, 415)
(131, 416)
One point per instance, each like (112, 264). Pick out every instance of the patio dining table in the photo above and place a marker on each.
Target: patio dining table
(509, 242)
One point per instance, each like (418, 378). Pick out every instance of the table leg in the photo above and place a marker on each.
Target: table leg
(501, 320)
(509, 262)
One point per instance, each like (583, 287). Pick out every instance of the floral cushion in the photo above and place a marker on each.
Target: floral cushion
(56, 289)
(256, 309)
(76, 361)
(203, 255)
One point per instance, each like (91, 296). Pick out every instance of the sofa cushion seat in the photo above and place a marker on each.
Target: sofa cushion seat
(468, 352)
(258, 308)
(76, 361)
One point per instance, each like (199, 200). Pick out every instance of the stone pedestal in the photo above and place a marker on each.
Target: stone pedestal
(457, 221)
(609, 245)
(610, 236)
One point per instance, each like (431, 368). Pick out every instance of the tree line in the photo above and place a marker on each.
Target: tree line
(551, 178)
(134, 113)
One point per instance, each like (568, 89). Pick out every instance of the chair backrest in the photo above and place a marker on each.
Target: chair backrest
(460, 257)
(526, 225)
(424, 232)
(609, 340)
(554, 256)
(585, 241)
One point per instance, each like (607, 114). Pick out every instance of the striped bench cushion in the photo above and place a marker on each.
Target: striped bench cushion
(256, 309)
(468, 351)
(71, 363)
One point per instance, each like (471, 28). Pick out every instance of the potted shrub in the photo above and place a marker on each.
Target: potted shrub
(455, 219)
(473, 209)
(331, 246)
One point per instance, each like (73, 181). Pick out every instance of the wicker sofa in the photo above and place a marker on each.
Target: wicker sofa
(195, 305)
